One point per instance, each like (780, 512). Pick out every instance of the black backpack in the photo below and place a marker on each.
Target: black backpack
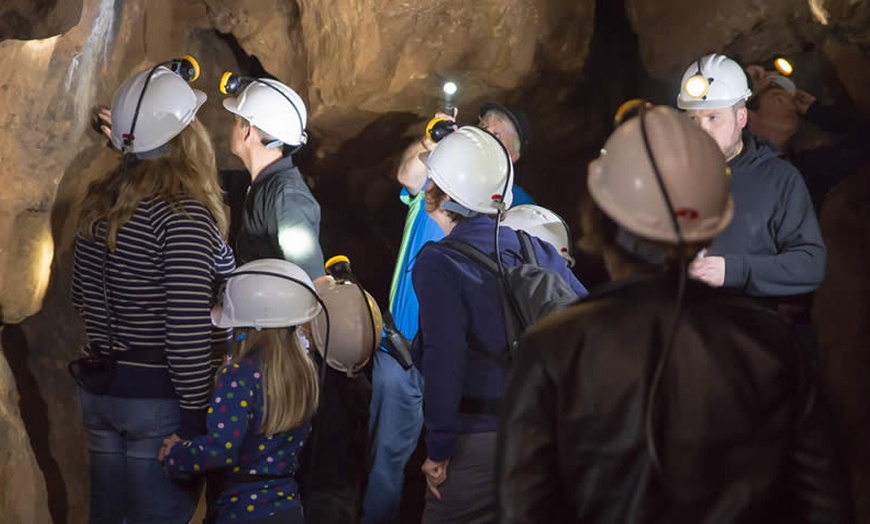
(529, 292)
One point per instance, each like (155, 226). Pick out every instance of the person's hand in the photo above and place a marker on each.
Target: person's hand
(101, 121)
(803, 101)
(167, 445)
(426, 143)
(436, 474)
(709, 270)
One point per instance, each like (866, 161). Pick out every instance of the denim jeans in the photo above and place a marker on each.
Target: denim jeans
(128, 484)
(395, 422)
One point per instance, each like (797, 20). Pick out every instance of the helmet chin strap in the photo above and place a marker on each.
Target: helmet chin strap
(639, 247)
(459, 209)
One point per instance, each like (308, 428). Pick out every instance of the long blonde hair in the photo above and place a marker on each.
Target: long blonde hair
(289, 379)
(189, 169)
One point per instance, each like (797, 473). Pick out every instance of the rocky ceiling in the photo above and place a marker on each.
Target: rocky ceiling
(370, 71)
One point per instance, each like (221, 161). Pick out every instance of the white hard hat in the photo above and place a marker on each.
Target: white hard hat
(266, 293)
(275, 108)
(168, 105)
(473, 168)
(713, 82)
(623, 183)
(354, 325)
(544, 224)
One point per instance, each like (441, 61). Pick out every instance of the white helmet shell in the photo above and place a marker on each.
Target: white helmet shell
(266, 293)
(275, 108)
(168, 106)
(473, 168)
(542, 223)
(354, 326)
(726, 84)
(694, 172)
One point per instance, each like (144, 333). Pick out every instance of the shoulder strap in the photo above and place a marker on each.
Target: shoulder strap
(526, 248)
(471, 252)
(508, 301)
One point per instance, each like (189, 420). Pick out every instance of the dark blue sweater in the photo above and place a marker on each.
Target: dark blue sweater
(773, 246)
(460, 300)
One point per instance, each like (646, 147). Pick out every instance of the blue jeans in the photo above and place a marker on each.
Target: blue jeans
(128, 485)
(395, 422)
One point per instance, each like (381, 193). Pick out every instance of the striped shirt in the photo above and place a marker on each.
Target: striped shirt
(159, 281)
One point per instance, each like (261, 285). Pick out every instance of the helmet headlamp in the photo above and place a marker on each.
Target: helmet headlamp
(697, 85)
(783, 66)
(231, 84)
(186, 67)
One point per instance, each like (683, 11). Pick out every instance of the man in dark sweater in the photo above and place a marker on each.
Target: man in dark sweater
(462, 324)
(773, 247)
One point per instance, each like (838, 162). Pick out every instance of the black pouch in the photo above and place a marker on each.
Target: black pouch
(94, 372)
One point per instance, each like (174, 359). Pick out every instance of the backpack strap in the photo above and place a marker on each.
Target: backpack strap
(509, 309)
(526, 248)
(473, 253)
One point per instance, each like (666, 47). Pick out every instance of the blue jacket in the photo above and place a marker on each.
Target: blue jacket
(773, 246)
(459, 300)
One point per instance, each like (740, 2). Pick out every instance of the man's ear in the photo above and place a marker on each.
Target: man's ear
(742, 116)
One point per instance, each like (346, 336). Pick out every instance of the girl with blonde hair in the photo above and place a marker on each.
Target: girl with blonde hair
(264, 399)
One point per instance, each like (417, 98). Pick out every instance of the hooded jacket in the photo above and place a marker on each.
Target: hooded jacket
(773, 246)
(740, 431)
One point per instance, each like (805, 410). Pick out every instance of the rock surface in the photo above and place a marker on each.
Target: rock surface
(23, 497)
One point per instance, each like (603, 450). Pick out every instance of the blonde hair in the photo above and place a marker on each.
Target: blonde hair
(288, 376)
(188, 170)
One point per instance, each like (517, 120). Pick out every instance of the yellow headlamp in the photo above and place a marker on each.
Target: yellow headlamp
(231, 83)
(783, 66)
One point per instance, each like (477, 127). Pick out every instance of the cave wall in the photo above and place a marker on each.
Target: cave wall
(370, 71)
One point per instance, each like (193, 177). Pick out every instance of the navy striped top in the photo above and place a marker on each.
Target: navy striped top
(159, 284)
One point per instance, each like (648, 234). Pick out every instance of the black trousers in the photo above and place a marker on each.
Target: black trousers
(468, 493)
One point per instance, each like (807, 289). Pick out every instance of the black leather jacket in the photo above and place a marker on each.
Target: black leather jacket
(739, 428)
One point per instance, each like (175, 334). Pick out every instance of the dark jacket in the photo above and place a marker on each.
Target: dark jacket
(281, 220)
(773, 246)
(738, 425)
(460, 309)
(334, 462)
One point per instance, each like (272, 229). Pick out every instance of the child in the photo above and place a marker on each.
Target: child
(263, 401)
